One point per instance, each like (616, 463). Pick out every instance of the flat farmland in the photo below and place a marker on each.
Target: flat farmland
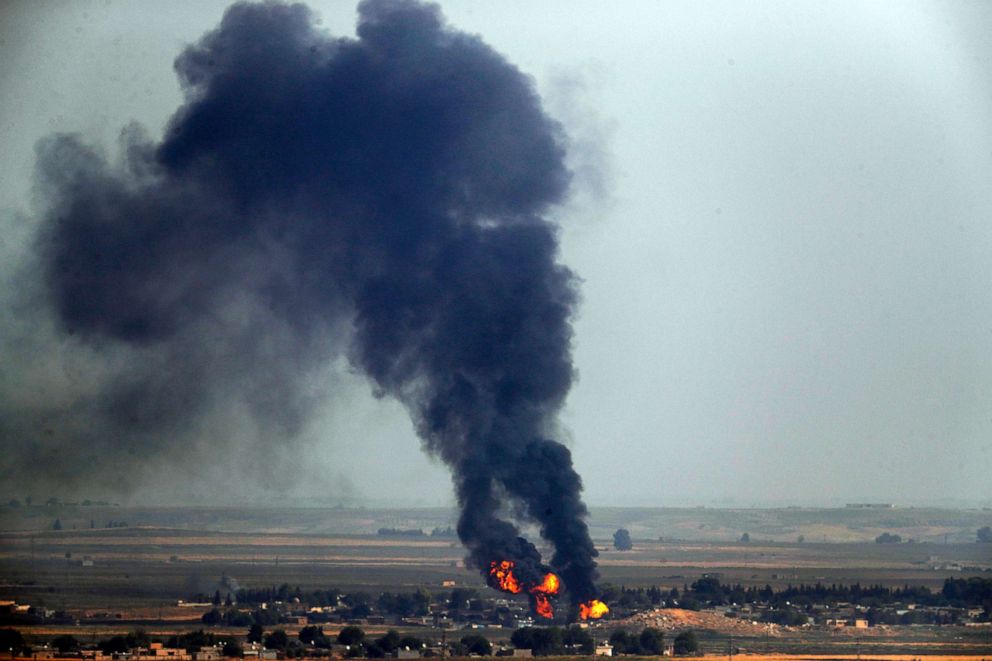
(140, 567)
(133, 575)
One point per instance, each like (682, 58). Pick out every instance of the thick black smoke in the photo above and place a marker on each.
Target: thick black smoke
(388, 189)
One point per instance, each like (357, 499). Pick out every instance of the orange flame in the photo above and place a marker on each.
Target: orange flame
(543, 606)
(594, 609)
(550, 584)
(503, 573)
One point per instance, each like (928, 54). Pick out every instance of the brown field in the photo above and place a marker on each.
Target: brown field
(166, 554)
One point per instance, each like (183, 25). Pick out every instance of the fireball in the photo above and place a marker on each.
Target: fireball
(550, 584)
(593, 609)
(502, 571)
(543, 606)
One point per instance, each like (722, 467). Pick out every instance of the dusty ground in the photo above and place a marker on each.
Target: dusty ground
(677, 619)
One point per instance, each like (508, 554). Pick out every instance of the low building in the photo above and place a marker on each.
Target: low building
(208, 654)
(604, 649)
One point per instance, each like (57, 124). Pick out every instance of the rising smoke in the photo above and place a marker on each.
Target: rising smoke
(380, 197)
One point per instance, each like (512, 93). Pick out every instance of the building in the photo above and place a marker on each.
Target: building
(208, 654)
(604, 649)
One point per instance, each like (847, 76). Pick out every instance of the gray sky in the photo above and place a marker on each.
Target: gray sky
(781, 219)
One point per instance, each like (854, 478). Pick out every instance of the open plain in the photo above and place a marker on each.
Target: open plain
(110, 580)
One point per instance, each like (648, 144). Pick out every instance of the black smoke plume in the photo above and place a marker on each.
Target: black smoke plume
(383, 195)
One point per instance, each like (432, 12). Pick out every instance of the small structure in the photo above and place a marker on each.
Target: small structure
(211, 653)
(604, 649)
(523, 652)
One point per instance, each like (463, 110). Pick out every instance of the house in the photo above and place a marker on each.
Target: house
(604, 649)
(523, 652)
(208, 654)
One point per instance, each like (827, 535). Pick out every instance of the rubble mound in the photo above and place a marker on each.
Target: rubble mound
(677, 619)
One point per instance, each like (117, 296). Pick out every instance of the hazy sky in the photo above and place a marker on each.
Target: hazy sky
(781, 218)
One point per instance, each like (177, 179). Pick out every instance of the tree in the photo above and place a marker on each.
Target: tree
(212, 618)
(216, 599)
(651, 641)
(984, 535)
(114, 645)
(65, 643)
(57, 525)
(309, 634)
(461, 597)
(233, 650)
(800, 539)
(686, 643)
(624, 642)
(888, 538)
(255, 633)
(351, 635)
(578, 636)
(389, 642)
(745, 538)
(542, 641)
(138, 638)
(10, 639)
(621, 540)
(277, 640)
(476, 644)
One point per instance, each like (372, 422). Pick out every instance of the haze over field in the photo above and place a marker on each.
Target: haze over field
(779, 216)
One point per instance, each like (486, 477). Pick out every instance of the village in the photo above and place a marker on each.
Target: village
(284, 622)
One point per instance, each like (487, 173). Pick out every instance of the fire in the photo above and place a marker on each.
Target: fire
(550, 584)
(594, 608)
(543, 606)
(503, 573)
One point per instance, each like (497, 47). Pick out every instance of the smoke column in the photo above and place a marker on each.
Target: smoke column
(380, 196)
